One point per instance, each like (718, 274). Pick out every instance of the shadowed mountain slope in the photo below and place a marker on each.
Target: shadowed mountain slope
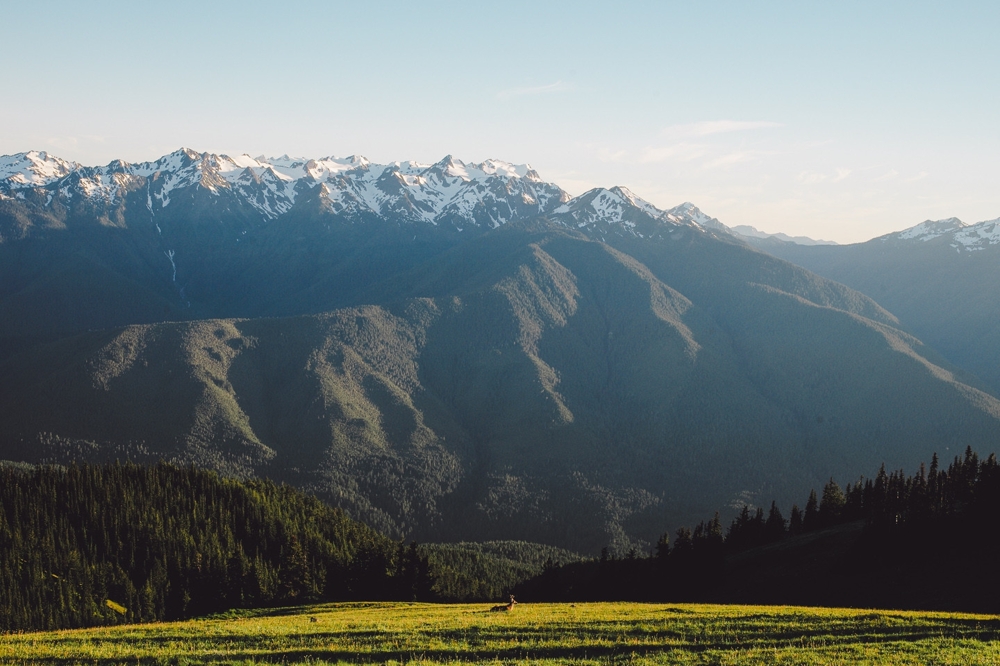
(529, 384)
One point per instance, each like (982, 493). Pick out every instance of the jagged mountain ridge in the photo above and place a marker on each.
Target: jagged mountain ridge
(488, 194)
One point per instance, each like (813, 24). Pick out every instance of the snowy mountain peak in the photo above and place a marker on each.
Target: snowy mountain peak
(929, 229)
(492, 166)
(952, 231)
(33, 169)
(635, 200)
(688, 212)
(470, 171)
(359, 160)
(618, 210)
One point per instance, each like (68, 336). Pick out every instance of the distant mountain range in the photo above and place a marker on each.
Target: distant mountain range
(449, 351)
(939, 277)
(753, 235)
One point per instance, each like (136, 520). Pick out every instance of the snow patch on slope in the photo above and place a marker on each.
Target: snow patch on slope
(688, 212)
(930, 229)
(979, 235)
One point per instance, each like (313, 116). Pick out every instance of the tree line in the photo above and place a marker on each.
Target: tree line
(99, 544)
(885, 541)
(87, 545)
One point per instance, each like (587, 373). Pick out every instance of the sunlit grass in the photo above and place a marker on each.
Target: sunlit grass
(596, 633)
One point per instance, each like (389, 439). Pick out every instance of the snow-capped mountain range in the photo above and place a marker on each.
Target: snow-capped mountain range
(486, 194)
(954, 232)
(492, 192)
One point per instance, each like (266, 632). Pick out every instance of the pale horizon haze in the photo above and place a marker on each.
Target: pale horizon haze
(840, 121)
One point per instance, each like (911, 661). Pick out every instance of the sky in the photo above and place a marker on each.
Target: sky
(840, 121)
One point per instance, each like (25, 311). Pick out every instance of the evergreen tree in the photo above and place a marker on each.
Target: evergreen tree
(758, 531)
(810, 520)
(414, 574)
(738, 535)
(831, 507)
(663, 547)
(684, 543)
(933, 486)
(713, 532)
(795, 521)
(295, 580)
(879, 497)
(774, 528)
(854, 506)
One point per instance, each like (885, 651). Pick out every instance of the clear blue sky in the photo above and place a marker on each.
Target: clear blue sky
(840, 120)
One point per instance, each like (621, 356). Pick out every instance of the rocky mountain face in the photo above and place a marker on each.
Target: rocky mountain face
(939, 277)
(448, 351)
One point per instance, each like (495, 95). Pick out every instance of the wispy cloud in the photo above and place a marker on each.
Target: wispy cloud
(810, 177)
(71, 143)
(62, 141)
(74, 141)
(612, 155)
(709, 127)
(888, 175)
(681, 152)
(813, 177)
(557, 87)
(919, 176)
(691, 141)
(730, 159)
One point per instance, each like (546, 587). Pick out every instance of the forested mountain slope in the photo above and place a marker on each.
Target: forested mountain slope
(109, 544)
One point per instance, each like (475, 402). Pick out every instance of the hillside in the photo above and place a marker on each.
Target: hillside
(93, 545)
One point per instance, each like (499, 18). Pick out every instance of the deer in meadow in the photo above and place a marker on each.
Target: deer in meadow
(505, 607)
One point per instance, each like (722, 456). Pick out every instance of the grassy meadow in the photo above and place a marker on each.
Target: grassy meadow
(592, 633)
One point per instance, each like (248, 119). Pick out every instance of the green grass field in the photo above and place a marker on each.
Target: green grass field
(594, 633)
